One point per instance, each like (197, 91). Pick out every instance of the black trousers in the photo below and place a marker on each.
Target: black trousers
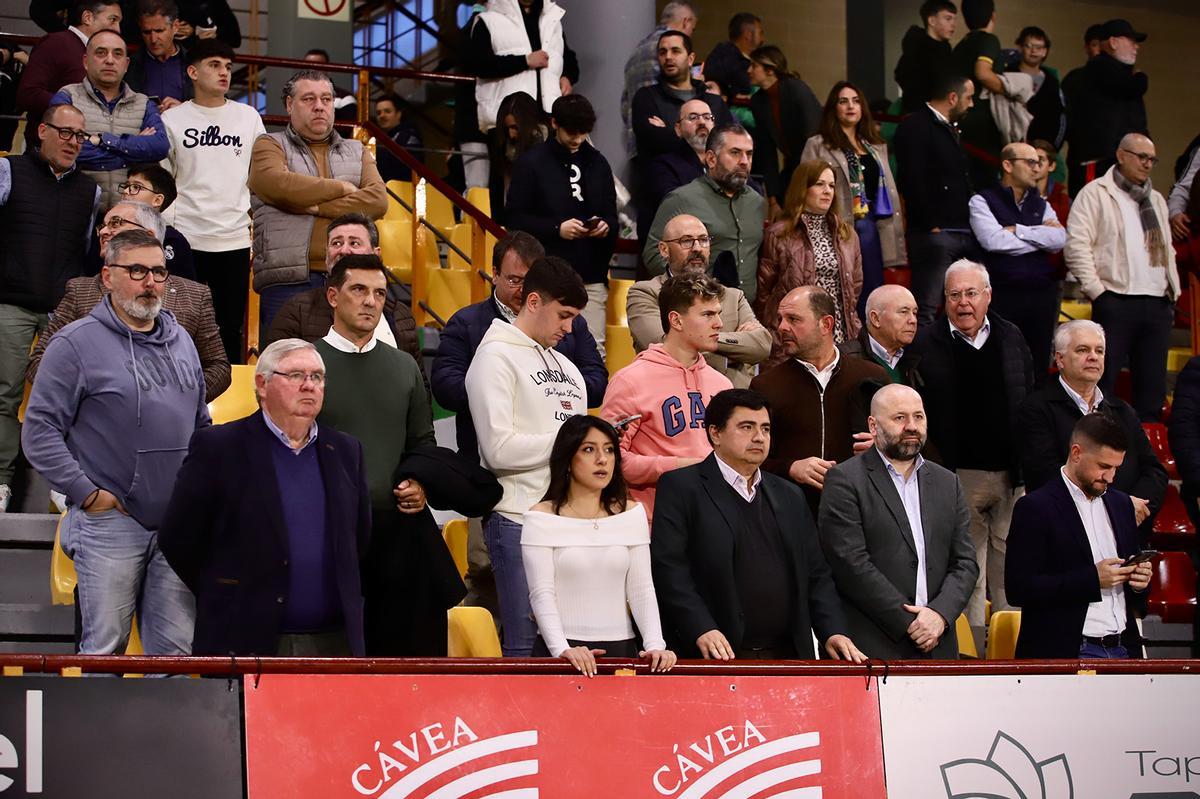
(1137, 331)
(227, 274)
(1034, 310)
(929, 254)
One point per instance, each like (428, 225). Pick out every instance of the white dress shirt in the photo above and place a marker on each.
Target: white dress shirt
(1077, 398)
(980, 338)
(823, 375)
(343, 344)
(882, 353)
(1107, 616)
(745, 488)
(910, 497)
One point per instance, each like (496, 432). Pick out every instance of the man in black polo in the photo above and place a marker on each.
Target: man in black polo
(47, 208)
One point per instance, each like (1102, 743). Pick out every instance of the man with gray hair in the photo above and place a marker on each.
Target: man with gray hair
(300, 179)
(1119, 249)
(120, 393)
(270, 519)
(641, 69)
(1047, 417)
(975, 370)
(891, 327)
(731, 211)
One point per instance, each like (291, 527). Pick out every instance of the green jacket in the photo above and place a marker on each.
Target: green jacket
(735, 223)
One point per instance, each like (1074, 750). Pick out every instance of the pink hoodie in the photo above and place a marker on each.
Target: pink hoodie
(671, 398)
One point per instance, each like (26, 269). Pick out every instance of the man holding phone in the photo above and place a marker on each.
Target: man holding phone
(1074, 566)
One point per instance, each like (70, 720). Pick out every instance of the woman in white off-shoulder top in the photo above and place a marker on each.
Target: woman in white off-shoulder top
(587, 556)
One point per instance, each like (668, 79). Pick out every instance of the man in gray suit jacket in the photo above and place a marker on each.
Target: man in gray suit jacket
(896, 531)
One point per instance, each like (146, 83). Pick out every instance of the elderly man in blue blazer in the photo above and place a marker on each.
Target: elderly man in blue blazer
(1067, 545)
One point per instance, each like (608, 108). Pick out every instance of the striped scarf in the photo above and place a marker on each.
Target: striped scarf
(1151, 227)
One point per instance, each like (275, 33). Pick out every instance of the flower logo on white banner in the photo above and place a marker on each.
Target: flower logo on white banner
(1008, 772)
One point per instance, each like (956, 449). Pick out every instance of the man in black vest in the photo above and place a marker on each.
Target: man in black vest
(47, 208)
(1018, 230)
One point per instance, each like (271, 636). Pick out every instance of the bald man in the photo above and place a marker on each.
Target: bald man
(889, 332)
(1018, 231)
(743, 342)
(820, 396)
(894, 528)
(1119, 249)
(679, 165)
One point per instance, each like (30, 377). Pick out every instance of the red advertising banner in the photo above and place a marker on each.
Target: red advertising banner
(525, 737)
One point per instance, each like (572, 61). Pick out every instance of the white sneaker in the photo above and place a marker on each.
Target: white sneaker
(59, 500)
(5, 496)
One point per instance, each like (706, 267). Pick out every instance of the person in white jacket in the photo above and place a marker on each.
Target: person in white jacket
(520, 391)
(1119, 249)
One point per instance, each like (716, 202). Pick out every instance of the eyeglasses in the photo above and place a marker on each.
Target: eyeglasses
(1034, 162)
(1145, 158)
(129, 188)
(66, 134)
(118, 221)
(513, 280)
(969, 294)
(691, 242)
(698, 117)
(139, 271)
(298, 378)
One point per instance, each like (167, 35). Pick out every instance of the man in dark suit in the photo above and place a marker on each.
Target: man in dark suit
(737, 566)
(269, 521)
(1047, 417)
(191, 302)
(1065, 550)
(933, 180)
(895, 529)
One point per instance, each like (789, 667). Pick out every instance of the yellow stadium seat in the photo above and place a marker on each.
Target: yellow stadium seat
(239, 400)
(449, 290)
(471, 634)
(454, 533)
(1076, 309)
(439, 210)
(403, 189)
(1177, 358)
(395, 247)
(1002, 634)
(618, 347)
(966, 641)
(481, 198)
(62, 571)
(618, 291)
(460, 237)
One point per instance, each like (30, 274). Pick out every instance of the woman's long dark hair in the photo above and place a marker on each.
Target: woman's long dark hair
(615, 495)
(532, 126)
(831, 128)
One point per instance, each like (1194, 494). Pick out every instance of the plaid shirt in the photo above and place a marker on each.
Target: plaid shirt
(640, 70)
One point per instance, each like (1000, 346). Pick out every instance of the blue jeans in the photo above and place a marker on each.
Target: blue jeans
(121, 569)
(517, 627)
(1088, 650)
(872, 260)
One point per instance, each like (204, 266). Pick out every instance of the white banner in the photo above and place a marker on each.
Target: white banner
(331, 10)
(1042, 737)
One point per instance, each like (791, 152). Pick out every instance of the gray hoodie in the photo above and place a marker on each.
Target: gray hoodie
(113, 408)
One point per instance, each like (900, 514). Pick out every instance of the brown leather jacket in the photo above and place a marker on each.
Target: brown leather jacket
(308, 316)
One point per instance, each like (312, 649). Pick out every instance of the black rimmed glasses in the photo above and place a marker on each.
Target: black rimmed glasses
(66, 134)
(139, 271)
(118, 222)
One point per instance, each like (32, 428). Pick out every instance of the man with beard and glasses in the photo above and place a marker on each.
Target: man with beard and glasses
(656, 107)
(1067, 551)
(743, 342)
(732, 212)
(894, 528)
(119, 394)
(662, 174)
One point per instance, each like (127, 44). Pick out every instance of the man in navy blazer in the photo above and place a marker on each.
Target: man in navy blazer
(737, 567)
(459, 340)
(269, 521)
(1065, 548)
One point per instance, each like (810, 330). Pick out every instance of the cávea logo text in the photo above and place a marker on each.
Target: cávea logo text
(9, 757)
(209, 137)
(733, 758)
(409, 765)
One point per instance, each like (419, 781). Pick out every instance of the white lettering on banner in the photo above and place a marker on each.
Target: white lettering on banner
(33, 747)
(737, 750)
(382, 771)
(1051, 736)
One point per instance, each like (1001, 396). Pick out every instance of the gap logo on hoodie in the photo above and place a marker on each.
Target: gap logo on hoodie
(674, 419)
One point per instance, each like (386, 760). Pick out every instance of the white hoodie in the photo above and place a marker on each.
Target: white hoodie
(520, 393)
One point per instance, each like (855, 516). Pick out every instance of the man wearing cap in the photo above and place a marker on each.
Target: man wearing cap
(1104, 103)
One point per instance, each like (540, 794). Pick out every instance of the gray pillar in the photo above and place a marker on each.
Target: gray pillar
(291, 35)
(603, 34)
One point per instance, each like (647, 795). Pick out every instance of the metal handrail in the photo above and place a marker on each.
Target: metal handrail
(430, 227)
(121, 664)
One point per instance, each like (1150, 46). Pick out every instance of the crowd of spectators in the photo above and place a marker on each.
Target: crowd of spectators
(802, 447)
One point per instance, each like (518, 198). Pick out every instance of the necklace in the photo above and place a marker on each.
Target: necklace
(594, 520)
